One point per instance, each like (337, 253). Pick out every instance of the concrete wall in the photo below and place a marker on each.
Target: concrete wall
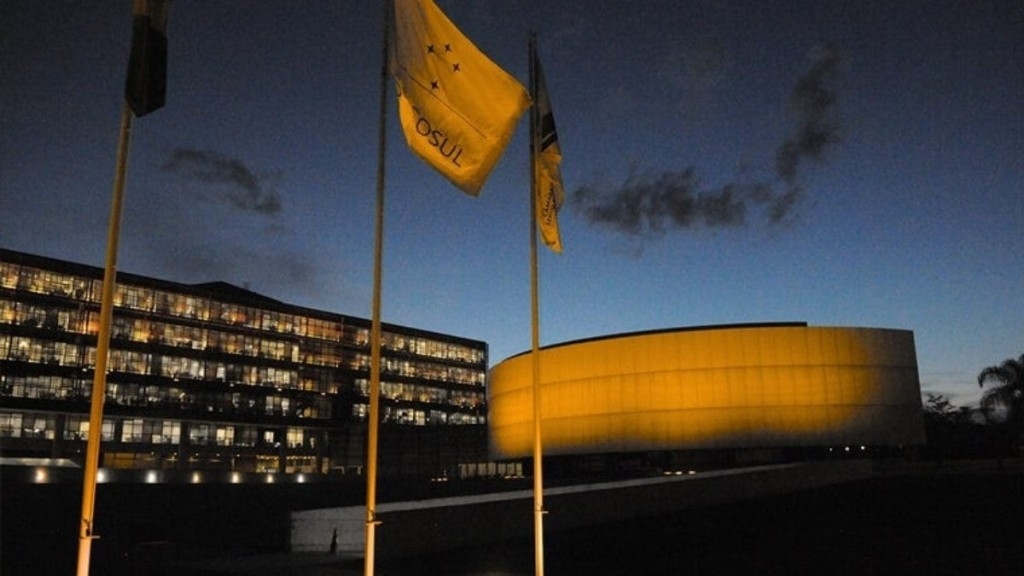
(411, 528)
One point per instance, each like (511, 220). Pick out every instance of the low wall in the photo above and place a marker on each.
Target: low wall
(410, 528)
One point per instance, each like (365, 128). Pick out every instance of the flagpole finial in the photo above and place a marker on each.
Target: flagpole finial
(155, 10)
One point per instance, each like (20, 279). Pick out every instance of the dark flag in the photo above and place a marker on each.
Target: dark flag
(146, 86)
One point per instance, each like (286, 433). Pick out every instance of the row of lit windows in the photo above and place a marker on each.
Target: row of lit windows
(491, 470)
(45, 351)
(433, 348)
(402, 391)
(147, 431)
(150, 396)
(432, 371)
(195, 338)
(187, 306)
(192, 337)
(133, 362)
(22, 314)
(234, 403)
(168, 303)
(143, 330)
(417, 417)
(219, 404)
(41, 426)
(142, 363)
(154, 462)
(425, 370)
(45, 387)
(48, 282)
(151, 431)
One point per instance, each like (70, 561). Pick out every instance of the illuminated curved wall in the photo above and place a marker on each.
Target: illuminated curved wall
(747, 386)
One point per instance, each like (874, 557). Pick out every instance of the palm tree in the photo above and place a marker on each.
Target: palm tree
(1008, 394)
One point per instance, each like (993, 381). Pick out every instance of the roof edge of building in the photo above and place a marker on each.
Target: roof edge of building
(705, 327)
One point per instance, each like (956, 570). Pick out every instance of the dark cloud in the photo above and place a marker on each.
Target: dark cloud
(243, 189)
(813, 99)
(650, 204)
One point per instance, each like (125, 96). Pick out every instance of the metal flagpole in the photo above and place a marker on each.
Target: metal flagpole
(86, 532)
(538, 475)
(375, 332)
(144, 93)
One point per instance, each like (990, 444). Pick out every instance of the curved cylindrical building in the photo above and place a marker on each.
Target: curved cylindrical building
(722, 387)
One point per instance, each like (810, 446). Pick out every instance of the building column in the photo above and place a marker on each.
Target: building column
(183, 447)
(282, 450)
(57, 446)
(321, 441)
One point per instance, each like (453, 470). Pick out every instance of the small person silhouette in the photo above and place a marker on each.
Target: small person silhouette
(334, 542)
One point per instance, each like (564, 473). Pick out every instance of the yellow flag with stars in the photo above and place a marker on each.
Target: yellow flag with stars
(458, 109)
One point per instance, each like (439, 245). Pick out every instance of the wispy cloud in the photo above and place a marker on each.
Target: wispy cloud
(649, 204)
(813, 99)
(235, 182)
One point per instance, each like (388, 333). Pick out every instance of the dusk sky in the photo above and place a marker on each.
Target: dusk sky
(845, 163)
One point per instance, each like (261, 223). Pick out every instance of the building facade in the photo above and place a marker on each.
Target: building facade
(214, 377)
(764, 388)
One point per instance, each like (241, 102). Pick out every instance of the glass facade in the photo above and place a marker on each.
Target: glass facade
(211, 376)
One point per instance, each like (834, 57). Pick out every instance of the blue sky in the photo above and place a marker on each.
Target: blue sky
(260, 170)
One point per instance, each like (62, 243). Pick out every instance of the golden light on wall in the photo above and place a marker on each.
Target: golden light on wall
(720, 387)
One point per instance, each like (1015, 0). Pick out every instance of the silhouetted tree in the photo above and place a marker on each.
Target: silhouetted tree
(942, 422)
(938, 408)
(1003, 404)
(1008, 394)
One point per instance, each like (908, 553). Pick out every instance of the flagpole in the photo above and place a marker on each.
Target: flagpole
(538, 473)
(375, 330)
(86, 528)
(144, 93)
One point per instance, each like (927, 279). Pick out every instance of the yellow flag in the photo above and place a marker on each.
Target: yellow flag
(549, 194)
(458, 109)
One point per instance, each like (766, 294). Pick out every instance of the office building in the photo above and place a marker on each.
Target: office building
(213, 377)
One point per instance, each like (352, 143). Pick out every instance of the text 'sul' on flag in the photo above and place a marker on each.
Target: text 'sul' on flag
(146, 85)
(549, 193)
(458, 109)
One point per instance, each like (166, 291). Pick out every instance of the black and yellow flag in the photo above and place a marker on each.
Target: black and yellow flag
(548, 156)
